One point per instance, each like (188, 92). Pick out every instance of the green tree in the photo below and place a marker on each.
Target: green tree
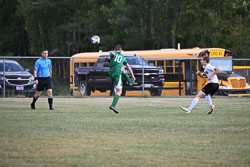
(13, 39)
(215, 23)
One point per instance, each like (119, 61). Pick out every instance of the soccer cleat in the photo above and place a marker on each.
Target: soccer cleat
(185, 109)
(211, 109)
(113, 108)
(50, 107)
(32, 106)
(131, 84)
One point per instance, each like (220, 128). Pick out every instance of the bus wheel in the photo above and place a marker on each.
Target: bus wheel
(222, 93)
(156, 92)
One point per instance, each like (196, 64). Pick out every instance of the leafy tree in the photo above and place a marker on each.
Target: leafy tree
(13, 39)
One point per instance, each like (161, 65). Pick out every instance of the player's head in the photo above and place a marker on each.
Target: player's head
(44, 53)
(205, 60)
(118, 48)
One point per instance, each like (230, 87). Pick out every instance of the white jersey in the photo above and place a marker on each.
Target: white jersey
(209, 70)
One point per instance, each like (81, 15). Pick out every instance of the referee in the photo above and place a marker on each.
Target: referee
(43, 74)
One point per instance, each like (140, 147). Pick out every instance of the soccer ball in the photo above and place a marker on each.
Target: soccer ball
(95, 39)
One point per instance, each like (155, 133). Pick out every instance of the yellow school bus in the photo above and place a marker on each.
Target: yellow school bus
(180, 66)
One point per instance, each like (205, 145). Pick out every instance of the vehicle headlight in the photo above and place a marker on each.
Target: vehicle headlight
(31, 78)
(161, 71)
(1, 78)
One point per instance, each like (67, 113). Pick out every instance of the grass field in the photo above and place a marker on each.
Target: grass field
(147, 132)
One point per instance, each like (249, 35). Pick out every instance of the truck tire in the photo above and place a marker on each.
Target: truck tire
(156, 92)
(84, 89)
(112, 92)
(29, 94)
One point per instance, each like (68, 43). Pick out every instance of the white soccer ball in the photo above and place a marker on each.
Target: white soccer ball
(95, 39)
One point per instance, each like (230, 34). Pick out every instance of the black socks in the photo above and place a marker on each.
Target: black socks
(50, 101)
(34, 99)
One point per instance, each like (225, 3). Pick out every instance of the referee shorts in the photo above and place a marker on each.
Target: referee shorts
(210, 88)
(44, 82)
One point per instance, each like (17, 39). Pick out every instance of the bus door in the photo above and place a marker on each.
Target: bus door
(191, 77)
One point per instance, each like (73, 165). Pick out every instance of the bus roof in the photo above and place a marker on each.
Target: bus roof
(163, 53)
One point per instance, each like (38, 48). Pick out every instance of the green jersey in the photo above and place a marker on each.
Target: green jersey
(116, 62)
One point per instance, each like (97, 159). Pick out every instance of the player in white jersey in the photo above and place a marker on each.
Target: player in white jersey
(210, 89)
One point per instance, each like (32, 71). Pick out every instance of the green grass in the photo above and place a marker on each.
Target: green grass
(147, 132)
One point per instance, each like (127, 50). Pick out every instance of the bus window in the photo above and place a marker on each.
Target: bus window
(177, 64)
(169, 66)
(83, 64)
(91, 64)
(160, 63)
(151, 62)
(76, 65)
(224, 64)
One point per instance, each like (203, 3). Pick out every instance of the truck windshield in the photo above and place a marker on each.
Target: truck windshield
(224, 64)
(136, 61)
(11, 67)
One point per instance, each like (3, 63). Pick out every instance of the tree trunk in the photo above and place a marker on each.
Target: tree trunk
(166, 28)
(177, 9)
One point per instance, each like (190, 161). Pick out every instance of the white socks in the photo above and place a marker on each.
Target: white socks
(194, 102)
(209, 100)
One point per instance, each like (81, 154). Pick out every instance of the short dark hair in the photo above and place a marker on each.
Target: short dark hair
(118, 47)
(44, 50)
(206, 58)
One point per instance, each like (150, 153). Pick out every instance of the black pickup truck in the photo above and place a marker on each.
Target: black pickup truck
(97, 77)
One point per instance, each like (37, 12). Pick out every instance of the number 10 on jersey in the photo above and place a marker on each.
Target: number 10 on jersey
(118, 58)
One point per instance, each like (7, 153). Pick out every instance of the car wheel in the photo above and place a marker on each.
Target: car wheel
(29, 94)
(156, 92)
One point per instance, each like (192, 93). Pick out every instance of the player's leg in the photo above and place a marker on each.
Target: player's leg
(49, 88)
(38, 93)
(50, 99)
(209, 100)
(194, 102)
(35, 97)
(210, 103)
(118, 91)
(213, 89)
(125, 75)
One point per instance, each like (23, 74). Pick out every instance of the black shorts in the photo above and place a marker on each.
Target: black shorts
(44, 82)
(210, 88)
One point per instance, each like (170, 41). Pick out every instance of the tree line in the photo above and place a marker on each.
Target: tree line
(66, 26)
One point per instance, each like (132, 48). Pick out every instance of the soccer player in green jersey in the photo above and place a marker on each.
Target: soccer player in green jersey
(116, 72)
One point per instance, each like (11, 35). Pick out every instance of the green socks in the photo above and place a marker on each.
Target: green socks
(127, 78)
(115, 100)
(116, 97)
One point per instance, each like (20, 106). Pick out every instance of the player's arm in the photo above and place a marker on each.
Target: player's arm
(111, 53)
(35, 72)
(216, 70)
(131, 72)
(50, 73)
(199, 74)
(50, 69)
(35, 75)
